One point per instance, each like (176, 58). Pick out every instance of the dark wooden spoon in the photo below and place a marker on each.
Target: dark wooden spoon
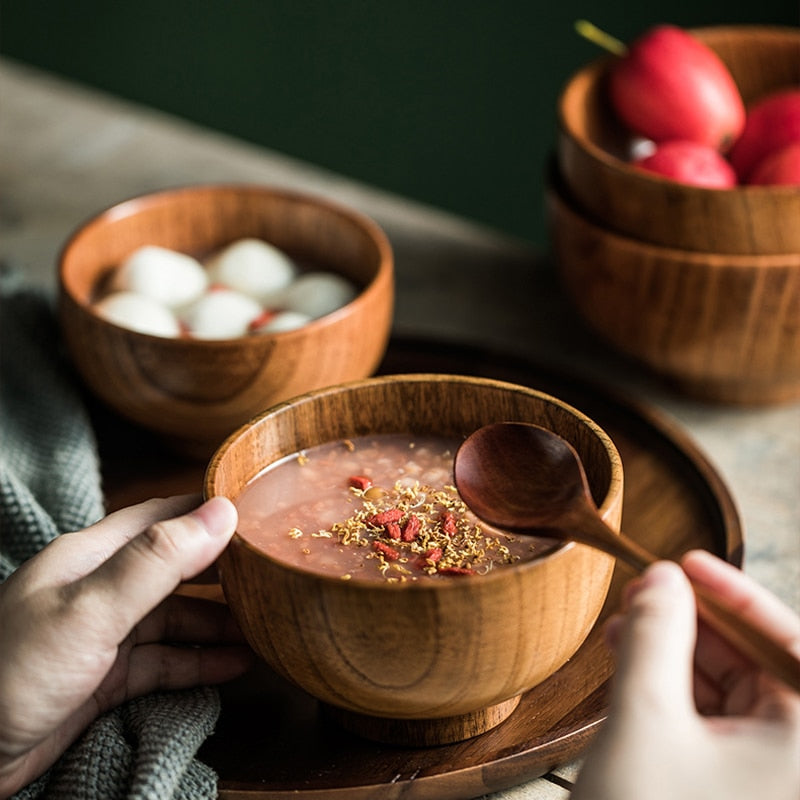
(527, 479)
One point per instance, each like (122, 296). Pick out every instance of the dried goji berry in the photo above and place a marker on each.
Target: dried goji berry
(411, 528)
(389, 553)
(456, 571)
(360, 482)
(434, 554)
(382, 517)
(448, 520)
(392, 530)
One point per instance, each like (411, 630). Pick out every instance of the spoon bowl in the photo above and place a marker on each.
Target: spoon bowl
(528, 480)
(519, 474)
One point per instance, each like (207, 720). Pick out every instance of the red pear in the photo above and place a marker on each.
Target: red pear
(779, 168)
(772, 122)
(690, 162)
(669, 85)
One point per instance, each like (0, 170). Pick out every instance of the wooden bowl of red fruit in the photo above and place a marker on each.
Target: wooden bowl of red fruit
(357, 572)
(190, 310)
(674, 205)
(730, 188)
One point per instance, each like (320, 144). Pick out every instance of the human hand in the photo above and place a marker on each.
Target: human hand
(91, 621)
(690, 717)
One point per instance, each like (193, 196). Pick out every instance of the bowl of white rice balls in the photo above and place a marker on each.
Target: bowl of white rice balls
(190, 310)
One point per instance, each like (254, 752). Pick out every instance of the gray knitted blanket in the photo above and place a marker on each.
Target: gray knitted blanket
(50, 484)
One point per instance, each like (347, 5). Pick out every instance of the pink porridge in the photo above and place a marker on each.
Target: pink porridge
(379, 507)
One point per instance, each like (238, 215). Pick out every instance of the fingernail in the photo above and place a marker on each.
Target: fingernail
(218, 516)
(702, 556)
(663, 574)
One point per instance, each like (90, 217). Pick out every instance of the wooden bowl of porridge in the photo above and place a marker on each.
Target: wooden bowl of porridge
(415, 633)
(195, 391)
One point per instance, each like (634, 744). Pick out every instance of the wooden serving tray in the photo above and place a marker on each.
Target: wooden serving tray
(274, 741)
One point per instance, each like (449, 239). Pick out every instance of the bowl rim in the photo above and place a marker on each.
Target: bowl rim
(601, 65)
(130, 206)
(614, 491)
(691, 258)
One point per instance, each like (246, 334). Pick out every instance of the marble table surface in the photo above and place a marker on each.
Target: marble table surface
(67, 152)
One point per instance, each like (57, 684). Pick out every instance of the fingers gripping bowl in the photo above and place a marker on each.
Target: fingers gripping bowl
(418, 661)
(196, 391)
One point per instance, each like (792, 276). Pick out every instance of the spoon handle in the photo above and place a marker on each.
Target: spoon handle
(748, 639)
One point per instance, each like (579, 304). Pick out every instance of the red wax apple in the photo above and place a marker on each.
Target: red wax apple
(772, 122)
(669, 85)
(689, 162)
(779, 168)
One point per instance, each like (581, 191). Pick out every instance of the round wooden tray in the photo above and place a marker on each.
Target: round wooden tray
(274, 741)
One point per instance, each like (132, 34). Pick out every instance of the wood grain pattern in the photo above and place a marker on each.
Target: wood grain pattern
(274, 741)
(440, 655)
(722, 328)
(199, 391)
(592, 148)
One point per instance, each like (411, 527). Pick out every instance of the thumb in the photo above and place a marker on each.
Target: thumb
(656, 645)
(141, 574)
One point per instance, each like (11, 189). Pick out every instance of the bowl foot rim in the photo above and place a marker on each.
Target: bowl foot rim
(423, 732)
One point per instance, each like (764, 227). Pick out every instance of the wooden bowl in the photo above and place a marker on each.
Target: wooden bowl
(593, 147)
(197, 391)
(723, 328)
(422, 662)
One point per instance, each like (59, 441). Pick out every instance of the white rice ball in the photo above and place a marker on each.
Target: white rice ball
(221, 314)
(253, 267)
(171, 278)
(283, 321)
(139, 313)
(317, 294)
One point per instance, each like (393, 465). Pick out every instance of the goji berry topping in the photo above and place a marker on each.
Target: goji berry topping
(389, 553)
(448, 520)
(433, 555)
(384, 517)
(392, 530)
(411, 529)
(360, 482)
(421, 529)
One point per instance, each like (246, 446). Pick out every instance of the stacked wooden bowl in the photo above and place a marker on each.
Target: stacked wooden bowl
(700, 285)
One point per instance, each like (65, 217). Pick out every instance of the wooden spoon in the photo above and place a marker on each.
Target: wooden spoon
(523, 478)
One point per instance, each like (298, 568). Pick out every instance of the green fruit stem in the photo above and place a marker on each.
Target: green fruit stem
(601, 38)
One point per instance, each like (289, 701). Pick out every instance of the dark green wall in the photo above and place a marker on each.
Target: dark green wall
(448, 102)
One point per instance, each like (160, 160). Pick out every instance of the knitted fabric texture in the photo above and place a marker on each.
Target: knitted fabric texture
(50, 484)
(49, 473)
